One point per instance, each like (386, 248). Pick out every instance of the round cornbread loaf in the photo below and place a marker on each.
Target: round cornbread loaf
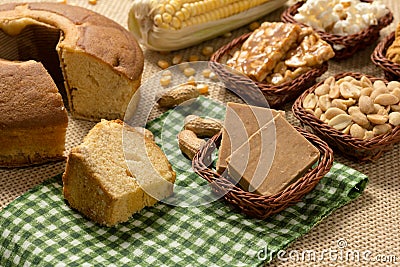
(33, 119)
(95, 61)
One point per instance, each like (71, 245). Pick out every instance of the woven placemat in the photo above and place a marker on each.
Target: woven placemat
(369, 224)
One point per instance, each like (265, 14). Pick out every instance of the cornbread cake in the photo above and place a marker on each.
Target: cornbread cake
(33, 120)
(116, 172)
(274, 157)
(101, 62)
(241, 121)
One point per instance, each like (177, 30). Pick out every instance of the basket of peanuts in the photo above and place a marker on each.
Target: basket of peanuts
(356, 113)
(386, 55)
(281, 59)
(348, 26)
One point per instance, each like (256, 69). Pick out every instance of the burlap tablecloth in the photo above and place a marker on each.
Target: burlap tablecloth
(369, 225)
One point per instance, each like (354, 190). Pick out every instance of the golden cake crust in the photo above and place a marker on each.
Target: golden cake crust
(29, 97)
(85, 30)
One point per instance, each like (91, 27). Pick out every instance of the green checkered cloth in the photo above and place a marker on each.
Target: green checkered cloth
(40, 229)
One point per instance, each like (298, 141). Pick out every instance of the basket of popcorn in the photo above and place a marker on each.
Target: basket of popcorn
(269, 167)
(386, 55)
(357, 114)
(348, 26)
(281, 59)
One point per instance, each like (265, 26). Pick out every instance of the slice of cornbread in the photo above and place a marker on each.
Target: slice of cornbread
(116, 172)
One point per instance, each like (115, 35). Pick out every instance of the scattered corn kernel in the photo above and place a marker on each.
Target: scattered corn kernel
(194, 58)
(92, 2)
(183, 66)
(213, 76)
(206, 73)
(227, 34)
(165, 80)
(191, 80)
(163, 64)
(202, 88)
(166, 73)
(254, 25)
(207, 51)
(189, 72)
(177, 59)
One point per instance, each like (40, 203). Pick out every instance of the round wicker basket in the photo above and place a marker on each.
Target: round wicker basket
(354, 148)
(276, 95)
(350, 43)
(378, 57)
(254, 205)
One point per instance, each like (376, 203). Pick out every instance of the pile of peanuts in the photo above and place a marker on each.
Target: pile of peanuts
(359, 107)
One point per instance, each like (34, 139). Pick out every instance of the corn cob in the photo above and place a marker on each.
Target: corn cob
(166, 25)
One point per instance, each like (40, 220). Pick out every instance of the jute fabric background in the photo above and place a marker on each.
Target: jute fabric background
(368, 225)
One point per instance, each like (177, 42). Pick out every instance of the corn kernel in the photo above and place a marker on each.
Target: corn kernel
(92, 2)
(191, 80)
(164, 25)
(175, 4)
(163, 64)
(185, 12)
(167, 18)
(194, 58)
(254, 25)
(206, 73)
(165, 80)
(157, 20)
(179, 15)
(213, 76)
(189, 72)
(166, 73)
(176, 59)
(227, 35)
(182, 66)
(207, 50)
(176, 23)
(169, 9)
(202, 88)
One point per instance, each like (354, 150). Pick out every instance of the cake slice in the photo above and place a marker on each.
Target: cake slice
(33, 120)
(274, 157)
(116, 172)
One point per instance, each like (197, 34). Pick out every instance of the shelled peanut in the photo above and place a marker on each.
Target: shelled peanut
(359, 107)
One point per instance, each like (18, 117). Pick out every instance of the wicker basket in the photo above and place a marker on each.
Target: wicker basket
(351, 43)
(275, 95)
(353, 148)
(255, 205)
(391, 69)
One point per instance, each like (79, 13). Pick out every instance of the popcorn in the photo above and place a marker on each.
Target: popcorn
(342, 17)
